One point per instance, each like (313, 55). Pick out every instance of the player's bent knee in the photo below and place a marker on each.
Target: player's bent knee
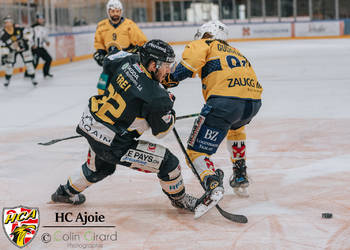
(193, 155)
(100, 174)
(170, 167)
(96, 169)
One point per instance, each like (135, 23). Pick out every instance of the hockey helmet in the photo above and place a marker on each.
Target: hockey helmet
(39, 16)
(215, 28)
(114, 4)
(158, 51)
(7, 18)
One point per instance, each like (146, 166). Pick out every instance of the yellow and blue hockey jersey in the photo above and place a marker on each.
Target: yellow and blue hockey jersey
(223, 69)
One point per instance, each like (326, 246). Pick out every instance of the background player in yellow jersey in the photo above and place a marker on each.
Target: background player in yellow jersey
(117, 29)
(233, 97)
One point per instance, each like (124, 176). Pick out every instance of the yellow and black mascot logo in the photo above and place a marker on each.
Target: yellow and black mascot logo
(20, 224)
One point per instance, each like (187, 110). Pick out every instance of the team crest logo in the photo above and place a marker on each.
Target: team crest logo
(20, 224)
(152, 147)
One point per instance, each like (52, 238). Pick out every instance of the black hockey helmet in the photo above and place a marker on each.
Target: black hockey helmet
(158, 51)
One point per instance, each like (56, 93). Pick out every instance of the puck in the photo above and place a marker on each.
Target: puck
(327, 215)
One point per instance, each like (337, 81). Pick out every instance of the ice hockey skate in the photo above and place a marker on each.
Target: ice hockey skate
(239, 180)
(214, 193)
(61, 196)
(187, 202)
(34, 81)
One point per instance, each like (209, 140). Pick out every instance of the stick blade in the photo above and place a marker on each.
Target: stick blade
(58, 140)
(48, 143)
(232, 217)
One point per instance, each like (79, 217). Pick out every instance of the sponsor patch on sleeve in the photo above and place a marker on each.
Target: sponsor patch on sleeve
(167, 118)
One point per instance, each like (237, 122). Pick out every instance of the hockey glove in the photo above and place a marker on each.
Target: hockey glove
(168, 82)
(99, 55)
(113, 47)
(113, 50)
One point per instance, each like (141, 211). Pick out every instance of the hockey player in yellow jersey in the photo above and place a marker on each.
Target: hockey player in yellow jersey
(116, 28)
(233, 97)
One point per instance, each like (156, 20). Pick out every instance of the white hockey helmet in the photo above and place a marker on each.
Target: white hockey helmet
(114, 4)
(215, 28)
(7, 18)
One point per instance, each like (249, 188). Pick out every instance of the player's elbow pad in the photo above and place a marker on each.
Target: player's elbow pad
(163, 134)
(170, 119)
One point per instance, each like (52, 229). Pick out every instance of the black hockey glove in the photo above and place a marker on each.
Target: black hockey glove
(168, 82)
(99, 55)
(113, 50)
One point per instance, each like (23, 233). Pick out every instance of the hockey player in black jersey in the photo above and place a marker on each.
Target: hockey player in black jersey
(133, 102)
(16, 41)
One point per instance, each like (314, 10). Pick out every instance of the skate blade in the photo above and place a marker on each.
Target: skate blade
(241, 192)
(202, 209)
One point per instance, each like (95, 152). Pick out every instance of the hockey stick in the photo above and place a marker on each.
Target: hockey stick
(186, 116)
(77, 136)
(58, 140)
(232, 217)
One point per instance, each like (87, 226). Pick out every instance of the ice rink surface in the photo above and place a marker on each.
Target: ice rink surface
(298, 157)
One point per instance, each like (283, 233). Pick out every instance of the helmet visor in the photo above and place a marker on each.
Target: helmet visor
(168, 65)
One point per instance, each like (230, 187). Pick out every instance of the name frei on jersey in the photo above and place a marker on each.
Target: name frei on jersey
(223, 69)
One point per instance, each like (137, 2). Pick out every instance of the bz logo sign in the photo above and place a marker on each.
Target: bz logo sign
(211, 135)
